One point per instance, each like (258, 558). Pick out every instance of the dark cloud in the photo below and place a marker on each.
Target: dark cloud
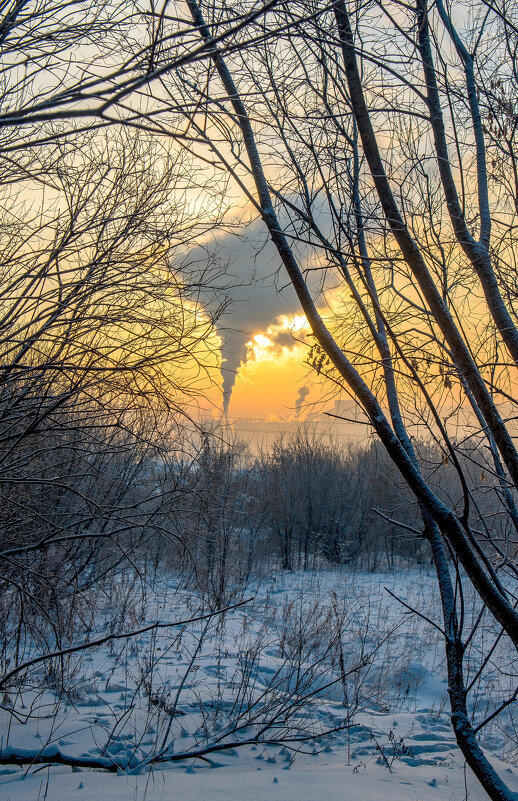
(284, 339)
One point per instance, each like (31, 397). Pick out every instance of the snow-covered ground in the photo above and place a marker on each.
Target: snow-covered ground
(337, 689)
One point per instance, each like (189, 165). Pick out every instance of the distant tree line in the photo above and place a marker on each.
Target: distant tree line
(306, 501)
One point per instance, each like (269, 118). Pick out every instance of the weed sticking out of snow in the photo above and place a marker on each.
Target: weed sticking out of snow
(322, 674)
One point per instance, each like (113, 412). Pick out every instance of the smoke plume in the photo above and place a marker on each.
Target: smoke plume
(301, 395)
(247, 286)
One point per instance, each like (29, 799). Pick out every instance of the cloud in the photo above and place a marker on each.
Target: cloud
(284, 337)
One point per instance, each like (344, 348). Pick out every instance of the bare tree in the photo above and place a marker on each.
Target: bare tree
(105, 337)
(104, 343)
(370, 182)
(68, 67)
(217, 515)
(316, 504)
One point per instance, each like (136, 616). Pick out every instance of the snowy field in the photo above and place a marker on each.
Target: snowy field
(322, 685)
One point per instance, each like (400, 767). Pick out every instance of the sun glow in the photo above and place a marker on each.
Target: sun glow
(262, 341)
(270, 376)
(283, 339)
